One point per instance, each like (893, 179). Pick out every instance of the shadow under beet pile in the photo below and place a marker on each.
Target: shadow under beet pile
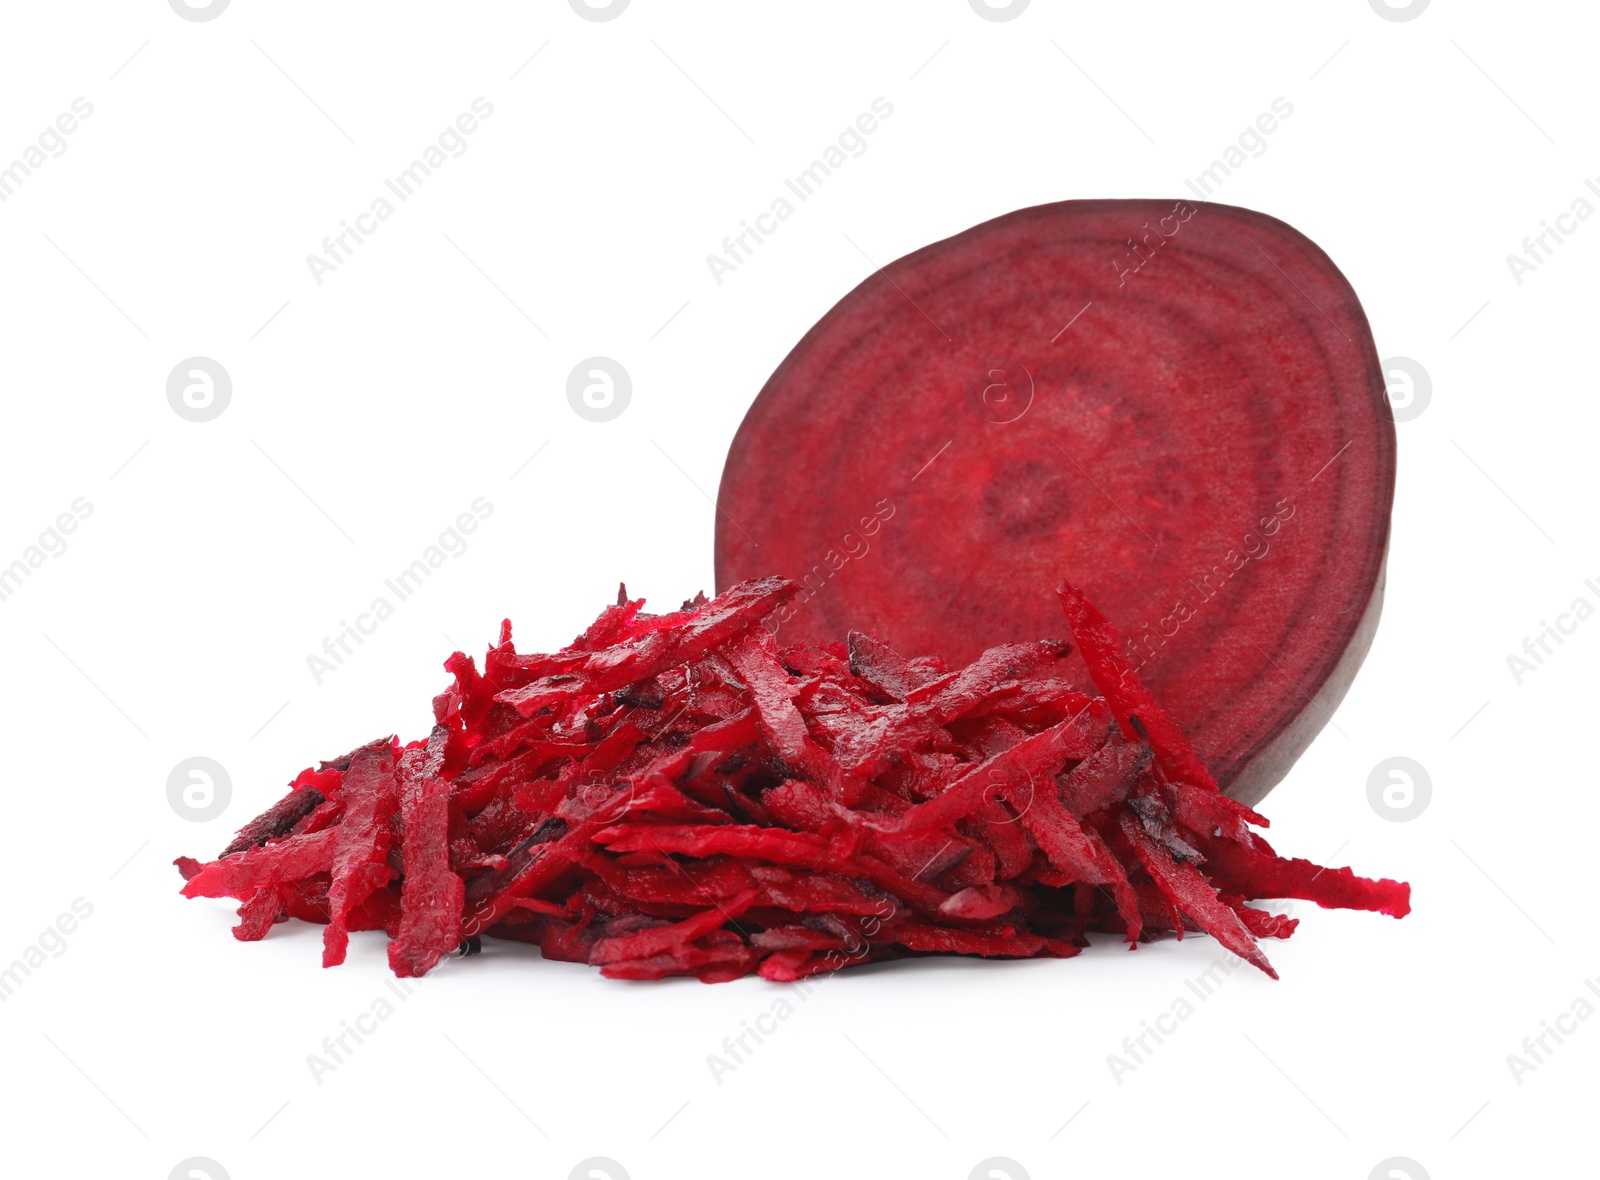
(676, 795)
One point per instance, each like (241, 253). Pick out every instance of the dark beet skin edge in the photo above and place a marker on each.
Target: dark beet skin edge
(1208, 449)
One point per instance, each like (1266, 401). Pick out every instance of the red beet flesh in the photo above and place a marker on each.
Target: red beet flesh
(1177, 405)
(677, 795)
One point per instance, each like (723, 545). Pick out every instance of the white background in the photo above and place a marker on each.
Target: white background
(369, 410)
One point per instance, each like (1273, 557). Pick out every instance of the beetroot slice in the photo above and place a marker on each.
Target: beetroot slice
(1207, 449)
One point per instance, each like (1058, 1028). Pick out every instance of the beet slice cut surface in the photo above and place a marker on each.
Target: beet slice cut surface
(1176, 405)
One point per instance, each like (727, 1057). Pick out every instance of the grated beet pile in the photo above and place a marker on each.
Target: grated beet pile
(675, 795)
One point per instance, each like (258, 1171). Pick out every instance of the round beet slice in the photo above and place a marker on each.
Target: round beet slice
(1175, 405)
